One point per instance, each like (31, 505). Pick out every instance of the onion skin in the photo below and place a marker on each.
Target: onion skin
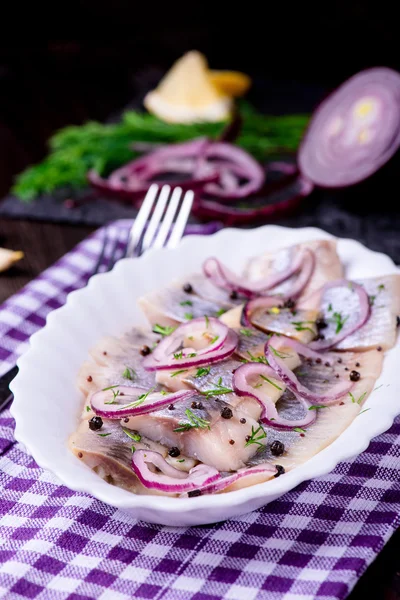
(170, 480)
(152, 402)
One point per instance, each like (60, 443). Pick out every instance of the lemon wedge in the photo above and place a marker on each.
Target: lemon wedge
(8, 258)
(232, 83)
(186, 94)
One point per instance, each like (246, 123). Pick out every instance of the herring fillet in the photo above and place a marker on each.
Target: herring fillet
(333, 420)
(327, 266)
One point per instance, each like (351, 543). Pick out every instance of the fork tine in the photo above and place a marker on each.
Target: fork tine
(181, 221)
(112, 259)
(156, 217)
(141, 219)
(102, 252)
(168, 218)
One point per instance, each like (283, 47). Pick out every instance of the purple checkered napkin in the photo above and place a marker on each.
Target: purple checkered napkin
(314, 542)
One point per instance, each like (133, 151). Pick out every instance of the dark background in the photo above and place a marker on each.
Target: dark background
(296, 52)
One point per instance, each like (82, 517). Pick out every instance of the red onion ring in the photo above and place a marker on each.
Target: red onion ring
(224, 278)
(261, 302)
(173, 342)
(224, 482)
(101, 405)
(355, 130)
(365, 312)
(269, 413)
(289, 378)
(231, 342)
(170, 480)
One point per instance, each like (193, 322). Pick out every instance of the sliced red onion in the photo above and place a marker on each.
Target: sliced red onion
(136, 401)
(224, 278)
(238, 162)
(355, 131)
(224, 482)
(289, 378)
(261, 302)
(170, 480)
(269, 413)
(230, 344)
(364, 314)
(196, 328)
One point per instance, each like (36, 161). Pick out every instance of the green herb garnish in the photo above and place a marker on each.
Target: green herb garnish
(259, 359)
(220, 312)
(136, 437)
(381, 287)
(339, 321)
(88, 409)
(363, 411)
(299, 430)
(163, 330)
(207, 321)
(361, 398)
(279, 354)
(246, 332)
(330, 307)
(186, 303)
(188, 316)
(202, 371)
(271, 382)
(194, 422)
(129, 373)
(139, 401)
(115, 396)
(133, 449)
(316, 406)
(218, 390)
(253, 439)
(371, 300)
(300, 326)
(175, 373)
(104, 434)
(110, 388)
(178, 354)
(181, 460)
(214, 340)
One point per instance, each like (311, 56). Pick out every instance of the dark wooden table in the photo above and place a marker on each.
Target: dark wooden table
(43, 244)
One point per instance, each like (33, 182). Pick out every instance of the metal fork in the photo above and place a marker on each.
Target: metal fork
(164, 227)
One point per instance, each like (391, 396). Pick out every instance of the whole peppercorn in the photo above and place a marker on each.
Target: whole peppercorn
(187, 288)
(355, 376)
(174, 452)
(226, 413)
(145, 350)
(277, 448)
(233, 295)
(279, 470)
(95, 423)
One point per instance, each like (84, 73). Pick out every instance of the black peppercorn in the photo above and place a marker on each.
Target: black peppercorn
(321, 324)
(358, 364)
(126, 420)
(355, 376)
(243, 420)
(95, 423)
(318, 361)
(194, 493)
(339, 360)
(226, 413)
(279, 470)
(233, 295)
(174, 452)
(327, 364)
(187, 288)
(346, 368)
(247, 438)
(145, 350)
(320, 336)
(398, 321)
(379, 348)
(277, 448)
(231, 442)
(289, 303)
(89, 378)
(171, 407)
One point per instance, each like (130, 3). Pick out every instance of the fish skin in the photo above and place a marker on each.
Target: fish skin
(168, 306)
(209, 446)
(107, 369)
(284, 323)
(327, 268)
(381, 327)
(331, 421)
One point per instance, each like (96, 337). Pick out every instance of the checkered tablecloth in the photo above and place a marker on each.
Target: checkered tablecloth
(314, 542)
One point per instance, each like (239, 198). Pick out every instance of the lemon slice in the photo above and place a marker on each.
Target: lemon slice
(231, 83)
(186, 94)
(8, 258)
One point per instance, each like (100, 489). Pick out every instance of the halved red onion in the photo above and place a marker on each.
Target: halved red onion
(355, 130)
(224, 278)
(197, 360)
(364, 314)
(269, 414)
(248, 472)
(289, 378)
(170, 480)
(136, 401)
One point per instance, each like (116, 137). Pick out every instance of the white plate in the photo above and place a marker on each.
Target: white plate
(47, 403)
